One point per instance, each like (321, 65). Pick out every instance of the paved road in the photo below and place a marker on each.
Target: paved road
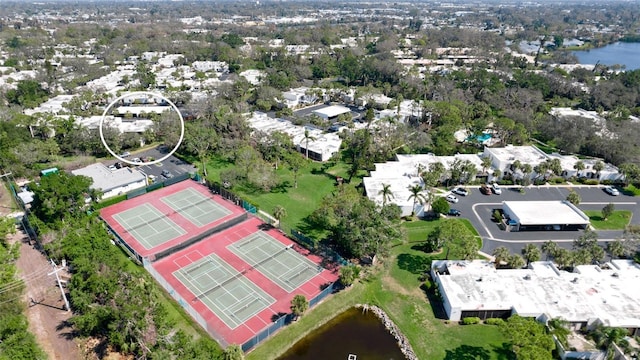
(478, 208)
(174, 165)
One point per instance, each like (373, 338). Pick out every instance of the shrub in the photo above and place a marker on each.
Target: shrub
(494, 321)
(591, 182)
(109, 202)
(471, 320)
(557, 180)
(497, 216)
(505, 182)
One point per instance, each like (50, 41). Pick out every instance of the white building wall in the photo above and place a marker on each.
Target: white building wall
(124, 189)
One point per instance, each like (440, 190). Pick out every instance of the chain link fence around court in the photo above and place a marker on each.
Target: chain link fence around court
(185, 304)
(217, 188)
(284, 320)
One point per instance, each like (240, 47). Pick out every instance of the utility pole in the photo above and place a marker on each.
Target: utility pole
(55, 271)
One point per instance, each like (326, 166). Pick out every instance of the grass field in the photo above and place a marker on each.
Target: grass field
(397, 289)
(314, 182)
(617, 221)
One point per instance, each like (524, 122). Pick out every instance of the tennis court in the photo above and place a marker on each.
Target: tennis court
(275, 260)
(148, 225)
(195, 207)
(224, 290)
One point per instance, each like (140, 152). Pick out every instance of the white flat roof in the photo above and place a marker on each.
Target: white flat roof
(545, 213)
(333, 110)
(326, 144)
(589, 293)
(106, 180)
(526, 154)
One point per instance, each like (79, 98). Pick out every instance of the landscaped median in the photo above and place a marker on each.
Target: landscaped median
(618, 220)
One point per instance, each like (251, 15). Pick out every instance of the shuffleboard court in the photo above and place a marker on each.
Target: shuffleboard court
(195, 207)
(277, 261)
(225, 291)
(148, 225)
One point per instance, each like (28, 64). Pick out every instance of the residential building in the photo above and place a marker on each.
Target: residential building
(591, 295)
(322, 146)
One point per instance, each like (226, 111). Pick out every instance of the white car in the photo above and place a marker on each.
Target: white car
(452, 199)
(611, 191)
(496, 189)
(460, 191)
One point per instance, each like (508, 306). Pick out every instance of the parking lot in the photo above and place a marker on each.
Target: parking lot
(478, 208)
(172, 165)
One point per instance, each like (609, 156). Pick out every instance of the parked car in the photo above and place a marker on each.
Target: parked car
(167, 174)
(460, 191)
(496, 189)
(485, 189)
(451, 198)
(611, 191)
(136, 160)
(152, 178)
(454, 212)
(125, 154)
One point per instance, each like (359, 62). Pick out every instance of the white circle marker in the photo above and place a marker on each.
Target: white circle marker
(133, 93)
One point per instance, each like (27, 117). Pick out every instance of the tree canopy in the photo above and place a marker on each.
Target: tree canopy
(60, 196)
(355, 222)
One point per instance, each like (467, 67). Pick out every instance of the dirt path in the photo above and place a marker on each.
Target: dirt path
(47, 315)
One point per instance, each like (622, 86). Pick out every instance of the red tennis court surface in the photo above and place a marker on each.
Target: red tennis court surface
(154, 199)
(217, 244)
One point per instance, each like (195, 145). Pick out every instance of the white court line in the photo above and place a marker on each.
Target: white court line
(294, 269)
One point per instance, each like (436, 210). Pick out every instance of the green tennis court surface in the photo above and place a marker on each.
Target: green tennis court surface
(280, 263)
(196, 207)
(148, 225)
(224, 290)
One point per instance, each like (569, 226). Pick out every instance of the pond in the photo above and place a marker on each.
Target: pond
(352, 332)
(620, 53)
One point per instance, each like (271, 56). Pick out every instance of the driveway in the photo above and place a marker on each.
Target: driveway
(478, 208)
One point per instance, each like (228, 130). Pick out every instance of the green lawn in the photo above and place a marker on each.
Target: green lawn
(617, 221)
(631, 190)
(314, 182)
(418, 230)
(397, 289)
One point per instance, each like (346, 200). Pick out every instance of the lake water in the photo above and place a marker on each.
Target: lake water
(621, 53)
(352, 332)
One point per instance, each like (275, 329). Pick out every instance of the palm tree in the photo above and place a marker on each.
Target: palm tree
(531, 253)
(578, 166)
(486, 163)
(386, 193)
(279, 213)
(501, 254)
(417, 196)
(598, 167)
(299, 305)
(550, 248)
(438, 169)
(527, 169)
(307, 138)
